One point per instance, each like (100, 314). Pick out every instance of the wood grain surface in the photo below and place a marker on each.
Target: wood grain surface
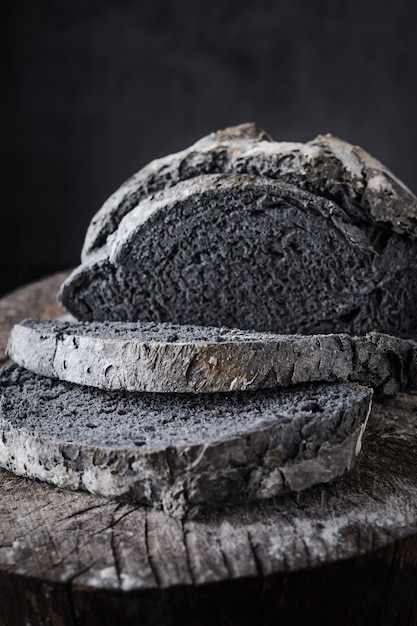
(347, 549)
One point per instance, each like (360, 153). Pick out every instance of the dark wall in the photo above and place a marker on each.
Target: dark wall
(93, 90)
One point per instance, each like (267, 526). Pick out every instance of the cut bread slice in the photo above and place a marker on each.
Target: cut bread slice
(248, 252)
(326, 166)
(182, 452)
(166, 357)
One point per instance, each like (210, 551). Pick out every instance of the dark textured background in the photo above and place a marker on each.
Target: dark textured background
(93, 90)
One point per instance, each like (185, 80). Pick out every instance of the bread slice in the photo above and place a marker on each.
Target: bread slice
(252, 253)
(182, 452)
(172, 358)
(326, 166)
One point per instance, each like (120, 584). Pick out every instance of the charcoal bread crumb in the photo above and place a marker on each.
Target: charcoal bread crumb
(327, 166)
(252, 253)
(167, 357)
(182, 452)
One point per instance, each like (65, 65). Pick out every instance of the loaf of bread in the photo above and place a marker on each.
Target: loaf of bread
(238, 303)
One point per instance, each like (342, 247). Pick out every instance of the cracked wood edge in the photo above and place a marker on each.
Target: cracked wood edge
(89, 542)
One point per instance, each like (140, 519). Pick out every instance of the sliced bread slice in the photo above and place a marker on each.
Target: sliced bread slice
(166, 357)
(182, 452)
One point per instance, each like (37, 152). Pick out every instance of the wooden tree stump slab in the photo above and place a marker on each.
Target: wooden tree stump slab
(342, 553)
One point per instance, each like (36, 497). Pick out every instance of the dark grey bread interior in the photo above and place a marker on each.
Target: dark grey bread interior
(249, 252)
(326, 166)
(166, 357)
(183, 452)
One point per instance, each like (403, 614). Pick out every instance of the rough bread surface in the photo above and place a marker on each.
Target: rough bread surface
(166, 357)
(182, 452)
(249, 252)
(327, 166)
